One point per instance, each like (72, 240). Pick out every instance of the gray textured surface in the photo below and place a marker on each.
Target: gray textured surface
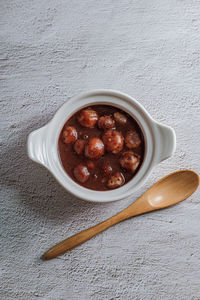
(51, 50)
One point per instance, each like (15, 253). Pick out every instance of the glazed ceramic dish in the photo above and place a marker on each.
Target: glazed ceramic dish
(159, 139)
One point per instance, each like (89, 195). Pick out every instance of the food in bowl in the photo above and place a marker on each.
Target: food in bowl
(101, 147)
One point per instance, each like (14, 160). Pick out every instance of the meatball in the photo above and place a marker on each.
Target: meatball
(115, 181)
(88, 118)
(106, 122)
(129, 161)
(120, 118)
(79, 146)
(81, 173)
(113, 141)
(69, 135)
(132, 139)
(94, 148)
(90, 164)
(107, 169)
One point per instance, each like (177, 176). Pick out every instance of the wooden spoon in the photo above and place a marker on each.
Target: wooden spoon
(168, 191)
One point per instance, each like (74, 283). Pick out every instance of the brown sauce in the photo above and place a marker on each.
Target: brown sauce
(96, 178)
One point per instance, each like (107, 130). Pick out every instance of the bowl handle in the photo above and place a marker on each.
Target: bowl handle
(166, 140)
(36, 146)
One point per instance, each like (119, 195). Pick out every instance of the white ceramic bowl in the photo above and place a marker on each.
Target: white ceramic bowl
(160, 143)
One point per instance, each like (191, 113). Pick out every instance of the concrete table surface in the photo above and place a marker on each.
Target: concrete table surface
(50, 51)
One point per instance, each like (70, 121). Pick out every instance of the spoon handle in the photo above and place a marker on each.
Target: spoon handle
(138, 207)
(85, 235)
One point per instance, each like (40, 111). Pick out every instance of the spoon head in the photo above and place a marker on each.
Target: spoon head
(172, 189)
